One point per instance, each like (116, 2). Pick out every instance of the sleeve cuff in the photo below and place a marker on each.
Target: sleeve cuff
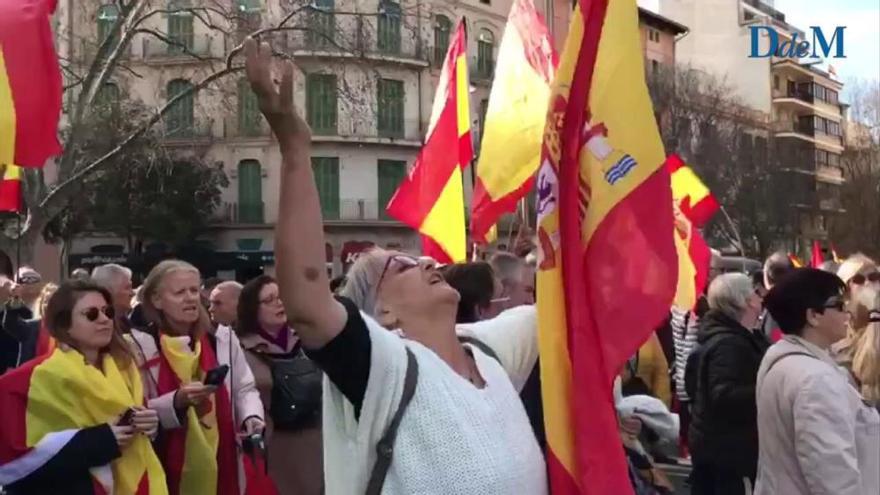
(164, 406)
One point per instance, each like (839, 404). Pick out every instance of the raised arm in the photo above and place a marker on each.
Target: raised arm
(299, 229)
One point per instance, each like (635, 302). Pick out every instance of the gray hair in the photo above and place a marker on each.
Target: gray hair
(729, 294)
(507, 266)
(362, 278)
(854, 265)
(107, 275)
(228, 285)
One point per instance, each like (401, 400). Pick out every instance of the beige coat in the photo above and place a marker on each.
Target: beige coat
(816, 435)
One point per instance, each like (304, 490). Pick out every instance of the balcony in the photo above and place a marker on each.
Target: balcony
(233, 213)
(406, 135)
(791, 127)
(357, 42)
(236, 129)
(361, 211)
(179, 132)
(188, 47)
(87, 50)
(766, 9)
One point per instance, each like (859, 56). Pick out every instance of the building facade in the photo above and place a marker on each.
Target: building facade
(366, 75)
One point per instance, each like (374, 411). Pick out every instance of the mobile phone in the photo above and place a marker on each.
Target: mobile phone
(126, 418)
(217, 375)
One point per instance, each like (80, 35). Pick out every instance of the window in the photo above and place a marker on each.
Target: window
(250, 192)
(180, 26)
(390, 108)
(249, 117)
(107, 16)
(391, 174)
(321, 103)
(107, 96)
(322, 24)
(326, 171)
(485, 53)
(179, 118)
(442, 29)
(655, 67)
(831, 96)
(249, 12)
(775, 82)
(654, 35)
(389, 27)
(819, 92)
(486, 2)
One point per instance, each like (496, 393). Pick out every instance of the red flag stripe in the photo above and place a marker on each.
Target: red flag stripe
(487, 210)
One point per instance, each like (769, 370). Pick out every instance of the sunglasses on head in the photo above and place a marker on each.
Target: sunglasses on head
(860, 278)
(92, 314)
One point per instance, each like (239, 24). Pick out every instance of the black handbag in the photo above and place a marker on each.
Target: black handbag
(296, 389)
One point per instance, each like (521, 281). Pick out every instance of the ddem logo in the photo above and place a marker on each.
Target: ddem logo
(798, 48)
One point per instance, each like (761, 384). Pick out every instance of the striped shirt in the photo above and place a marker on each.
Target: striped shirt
(684, 333)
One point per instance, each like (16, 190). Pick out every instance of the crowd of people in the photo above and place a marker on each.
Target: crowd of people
(408, 377)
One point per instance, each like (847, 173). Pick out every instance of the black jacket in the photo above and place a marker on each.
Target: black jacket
(724, 428)
(18, 337)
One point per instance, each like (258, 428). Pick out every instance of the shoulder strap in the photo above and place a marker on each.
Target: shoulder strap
(385, 446)
(479, 344)
(780, 358)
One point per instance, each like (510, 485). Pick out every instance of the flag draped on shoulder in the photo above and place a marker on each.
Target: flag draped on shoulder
(10, 187)
(694, 205)
(30, 83)
(607, 259)
(50, 400)
(510, 150)
(431, 198)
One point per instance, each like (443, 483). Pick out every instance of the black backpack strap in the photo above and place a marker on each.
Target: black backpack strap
(479, 344)
(385, 446)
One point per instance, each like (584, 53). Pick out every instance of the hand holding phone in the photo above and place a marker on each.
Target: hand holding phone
(216, 376)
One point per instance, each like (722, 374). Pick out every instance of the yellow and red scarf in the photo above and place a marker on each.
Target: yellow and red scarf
(201, 457)
(60, 393)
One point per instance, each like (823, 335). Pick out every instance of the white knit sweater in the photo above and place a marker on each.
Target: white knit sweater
(454, 437)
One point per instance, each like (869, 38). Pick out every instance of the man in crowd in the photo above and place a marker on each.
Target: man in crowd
(224, 303)
(117, 279)
(30, 283)
(517, 278)
(777, 266)
(18, 337)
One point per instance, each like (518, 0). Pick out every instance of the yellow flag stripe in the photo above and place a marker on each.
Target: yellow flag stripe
(462, 95)
(445, 221)
(7, 116)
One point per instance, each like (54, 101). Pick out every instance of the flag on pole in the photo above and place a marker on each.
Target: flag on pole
(606, 239)
(817, 258)
(795, 261)
(514, 126)
(30, 83)
(690, 193)
(431, 198)
(10, 188)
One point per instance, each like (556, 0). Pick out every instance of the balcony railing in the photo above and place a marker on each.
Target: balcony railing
(251, 212)
(804, 96)
(362, 210)
(781, 126)
(231, 213)
(767, 9)
(196, 129)
(235, 127)
(182, 46)
(369, 131)
(356, 41)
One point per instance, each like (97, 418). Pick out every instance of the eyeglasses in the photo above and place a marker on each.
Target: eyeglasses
(29, 280)
(860, 279)
(835, 302)
(92, 314)
(406, 263)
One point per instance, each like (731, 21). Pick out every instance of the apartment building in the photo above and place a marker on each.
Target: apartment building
(799, 102)
(367, 73)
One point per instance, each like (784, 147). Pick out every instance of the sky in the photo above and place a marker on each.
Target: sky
(862, 34)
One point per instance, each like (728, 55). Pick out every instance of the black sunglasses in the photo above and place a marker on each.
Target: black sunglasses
(93, 313)
(860, 279)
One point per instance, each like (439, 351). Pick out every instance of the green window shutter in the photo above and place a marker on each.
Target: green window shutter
(442, 28)
(179, 118)
(321, 98)
(485, 55)
(390, 101)
(322, 24)
(107, 16)
(390, 173)
(107, 96)
(389, 27)
(250, 192)
(249, 116)
(180, 27)
(326, 171)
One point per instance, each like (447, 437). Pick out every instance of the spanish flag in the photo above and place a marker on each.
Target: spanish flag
(30, 83)
(607, 259)
(511, 144)
(49, 403)
(10, 187)
(795, 261)
(816, 258)
(431, 198)
(694, 205)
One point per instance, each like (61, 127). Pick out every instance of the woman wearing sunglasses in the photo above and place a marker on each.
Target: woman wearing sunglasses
(74, 422)
(859, 352)
(816, 434)
(200, 420)
(464, 431)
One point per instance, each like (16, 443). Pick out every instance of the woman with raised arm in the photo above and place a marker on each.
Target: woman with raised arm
(463, 429)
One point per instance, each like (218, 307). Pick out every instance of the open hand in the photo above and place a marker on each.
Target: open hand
(192, 394)
(145, 421)
(275, 101)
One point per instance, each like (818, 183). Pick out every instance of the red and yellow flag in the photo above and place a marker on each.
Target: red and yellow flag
(30, 83)
(694, 206)
(431, 198)
(605, 231)
(10, 187)
(795, 261)
(816, 258)
(511, 141)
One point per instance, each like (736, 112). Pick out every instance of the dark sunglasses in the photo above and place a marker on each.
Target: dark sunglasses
(860, 279)
(406, 262)
(92, 314)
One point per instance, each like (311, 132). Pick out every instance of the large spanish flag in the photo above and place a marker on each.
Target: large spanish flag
(511, 141)
(10, 187)
(607, 264)
(431, 198)
(30, 83)
(50, 400)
